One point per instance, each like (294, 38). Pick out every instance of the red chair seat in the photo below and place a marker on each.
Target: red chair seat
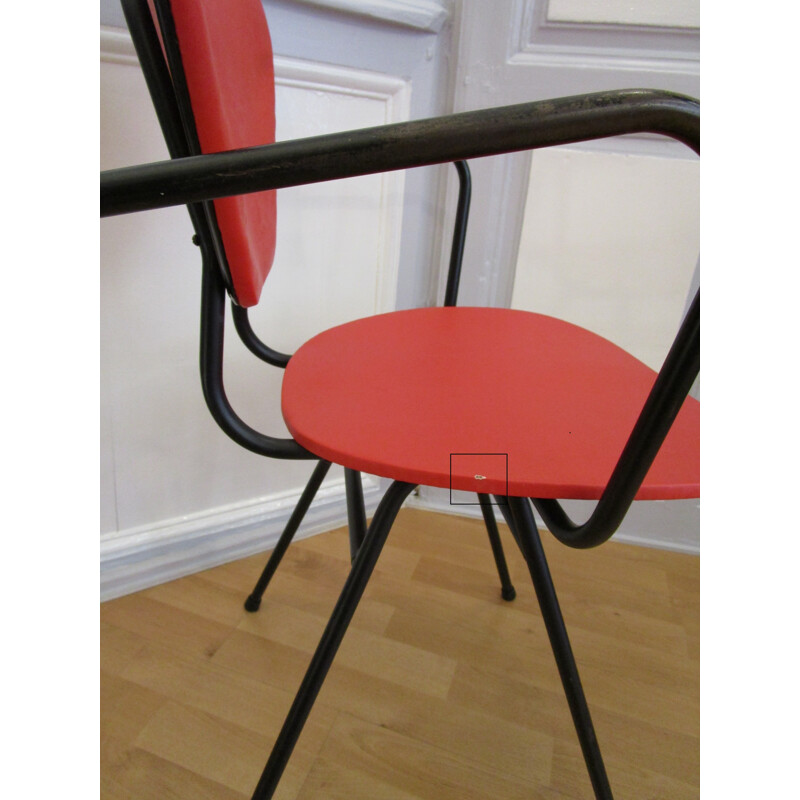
(537, 406)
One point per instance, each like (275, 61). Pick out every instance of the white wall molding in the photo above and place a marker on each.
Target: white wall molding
(423, 15)
(314, 75)
(135, 559)
(618, 60)
(690, 549)
(116, 46)
(608, 55)
(535, 30)
(394, 95)
(665, 14)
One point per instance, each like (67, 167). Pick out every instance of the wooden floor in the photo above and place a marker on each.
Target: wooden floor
(440, 690)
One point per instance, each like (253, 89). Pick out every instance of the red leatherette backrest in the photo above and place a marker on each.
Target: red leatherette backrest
(227, 59)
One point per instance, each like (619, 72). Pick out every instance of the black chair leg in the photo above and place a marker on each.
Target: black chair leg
(507, 589)
(343, 612)
(531, 546)
(356, 513)
(253, 602)
(502, 504)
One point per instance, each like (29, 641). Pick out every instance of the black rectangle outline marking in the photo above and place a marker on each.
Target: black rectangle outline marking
(490, 496)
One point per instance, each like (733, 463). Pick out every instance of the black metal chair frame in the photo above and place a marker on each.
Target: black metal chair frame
(196, 179)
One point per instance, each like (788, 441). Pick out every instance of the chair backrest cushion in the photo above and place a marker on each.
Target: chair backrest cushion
(226, 54)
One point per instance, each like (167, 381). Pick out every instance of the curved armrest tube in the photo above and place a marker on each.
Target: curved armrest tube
(456, 137)
(670, 389)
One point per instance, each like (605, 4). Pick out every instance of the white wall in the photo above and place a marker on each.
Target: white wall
(176, 493)
(609, 241)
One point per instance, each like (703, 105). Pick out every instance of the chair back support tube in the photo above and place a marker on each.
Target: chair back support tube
(156, 75)
(212, 331)
(457, 137)
(459, 232)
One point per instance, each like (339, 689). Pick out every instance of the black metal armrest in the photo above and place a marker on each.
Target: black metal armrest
(456, 137)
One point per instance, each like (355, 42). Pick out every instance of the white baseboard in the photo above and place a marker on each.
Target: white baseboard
(640, 538)
(690, 549)
(137, 558)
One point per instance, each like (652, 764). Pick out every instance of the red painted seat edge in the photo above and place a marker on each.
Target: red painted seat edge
(371, 462)
(687, 491)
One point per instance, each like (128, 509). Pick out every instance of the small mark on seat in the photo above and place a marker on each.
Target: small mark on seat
(480, 477)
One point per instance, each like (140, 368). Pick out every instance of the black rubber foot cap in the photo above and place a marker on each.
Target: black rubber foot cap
(252, 603)
(509, 593)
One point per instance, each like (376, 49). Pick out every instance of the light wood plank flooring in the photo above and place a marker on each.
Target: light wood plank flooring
(441, 689)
